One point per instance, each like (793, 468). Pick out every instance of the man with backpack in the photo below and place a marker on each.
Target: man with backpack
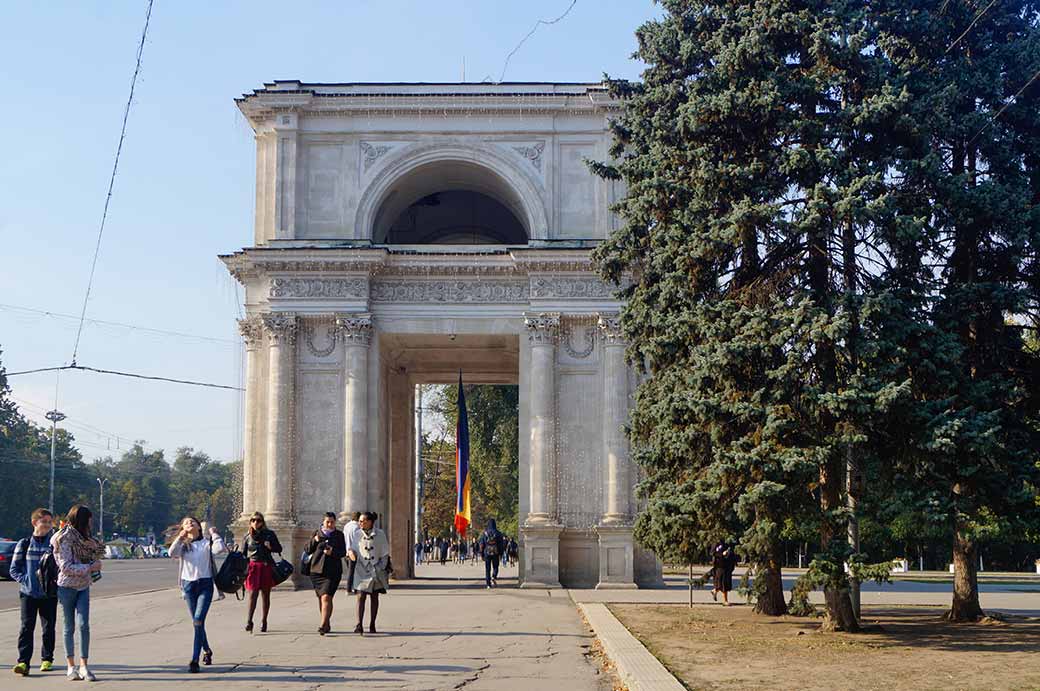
(36, 572)
(492, 544)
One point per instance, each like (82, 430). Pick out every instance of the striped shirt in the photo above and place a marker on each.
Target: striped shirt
(26, 561)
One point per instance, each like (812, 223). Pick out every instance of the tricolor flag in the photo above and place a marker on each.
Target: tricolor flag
(462, 511)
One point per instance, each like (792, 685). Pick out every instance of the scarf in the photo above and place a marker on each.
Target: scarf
(87, 550)
(327, 533)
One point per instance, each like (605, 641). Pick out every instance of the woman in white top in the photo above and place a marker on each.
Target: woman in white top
(196, 575)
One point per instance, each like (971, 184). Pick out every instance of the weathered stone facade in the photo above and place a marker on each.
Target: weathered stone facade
(341, 325)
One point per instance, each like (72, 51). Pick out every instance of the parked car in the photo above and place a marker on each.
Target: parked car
(6, 552)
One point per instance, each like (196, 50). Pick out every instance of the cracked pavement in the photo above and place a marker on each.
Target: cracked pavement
(434, 634)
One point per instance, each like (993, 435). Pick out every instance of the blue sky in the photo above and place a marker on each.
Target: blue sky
(185, 188)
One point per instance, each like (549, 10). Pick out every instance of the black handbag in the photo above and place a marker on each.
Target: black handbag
(282, 570)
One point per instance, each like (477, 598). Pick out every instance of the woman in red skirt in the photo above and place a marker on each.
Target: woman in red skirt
(259, 545)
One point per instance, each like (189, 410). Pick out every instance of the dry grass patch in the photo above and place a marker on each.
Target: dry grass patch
(712, 647)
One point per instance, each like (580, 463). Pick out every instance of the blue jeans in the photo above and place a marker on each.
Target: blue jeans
(199, 596)
(75, 605)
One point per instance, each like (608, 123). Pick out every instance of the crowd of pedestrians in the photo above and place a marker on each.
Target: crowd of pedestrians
(454, 550)
(56, 568)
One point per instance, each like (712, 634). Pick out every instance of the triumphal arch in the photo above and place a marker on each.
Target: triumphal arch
(405, 232)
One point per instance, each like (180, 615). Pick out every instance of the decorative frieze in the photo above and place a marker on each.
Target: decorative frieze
(336, 288)
(446, 291)
(543, 328)
(280, 327)
(354, 329)
(569, 287)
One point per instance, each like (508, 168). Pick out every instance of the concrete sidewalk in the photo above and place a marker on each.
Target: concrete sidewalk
(435, 634)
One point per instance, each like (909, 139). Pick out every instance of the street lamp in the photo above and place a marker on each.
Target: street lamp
(55, 417)
(101, 514)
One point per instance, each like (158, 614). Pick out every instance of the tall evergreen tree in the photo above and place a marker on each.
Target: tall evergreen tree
(756, 220)
(971, 169)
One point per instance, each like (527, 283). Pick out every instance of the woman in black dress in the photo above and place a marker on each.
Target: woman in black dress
(327, 549)
(723, 561)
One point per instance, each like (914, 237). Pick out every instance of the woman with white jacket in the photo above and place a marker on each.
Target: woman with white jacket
(196, 575)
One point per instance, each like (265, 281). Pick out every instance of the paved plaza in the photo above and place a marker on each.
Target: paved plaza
(441, 631)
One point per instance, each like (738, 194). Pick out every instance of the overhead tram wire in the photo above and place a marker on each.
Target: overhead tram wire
(540, 22)
(133, 327)
(112, 179)
(126, 374)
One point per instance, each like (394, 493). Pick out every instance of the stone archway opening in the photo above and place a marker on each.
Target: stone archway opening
(435, 359)
(451, 202)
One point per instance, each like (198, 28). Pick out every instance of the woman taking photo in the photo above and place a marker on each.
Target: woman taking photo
(372, 576)
(259, 545)
(196, 576)
(327, 549)
(78, 556)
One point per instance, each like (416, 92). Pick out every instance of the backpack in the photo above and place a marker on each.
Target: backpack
(47, 572)
(491, 545)
(232, 575)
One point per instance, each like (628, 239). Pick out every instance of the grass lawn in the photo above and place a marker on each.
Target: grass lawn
(715, 647)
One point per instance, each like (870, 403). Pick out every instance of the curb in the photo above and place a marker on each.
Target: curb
(637, 667)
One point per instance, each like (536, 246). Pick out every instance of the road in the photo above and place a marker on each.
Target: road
(117, 578)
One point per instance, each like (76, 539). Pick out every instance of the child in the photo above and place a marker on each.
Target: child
(34, 600)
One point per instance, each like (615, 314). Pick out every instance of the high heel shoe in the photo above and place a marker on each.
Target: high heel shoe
(263, 627)
(359, 629)
(249, 627)
(207, 657)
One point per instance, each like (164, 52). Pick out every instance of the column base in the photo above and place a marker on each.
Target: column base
(616, 557)
(541, 562)
(293, 538)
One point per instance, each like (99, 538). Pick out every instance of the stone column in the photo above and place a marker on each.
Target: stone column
(615, 417)
(356, 332)
(541, 531)
(251, 329)
(616, 546)
(543, 331)
(281, 336)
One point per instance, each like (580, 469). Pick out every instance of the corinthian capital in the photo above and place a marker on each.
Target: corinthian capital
(543, 328)
(252, 330)
(610, 327)
(280, 327)
(356, 329)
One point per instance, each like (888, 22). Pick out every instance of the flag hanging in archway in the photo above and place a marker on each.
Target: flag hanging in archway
(462, 508)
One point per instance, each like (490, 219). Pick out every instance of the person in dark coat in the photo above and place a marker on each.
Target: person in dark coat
(326, 548)
(259, 545)
(723, 561)
(492, 544)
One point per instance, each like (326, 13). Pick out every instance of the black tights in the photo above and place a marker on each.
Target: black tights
(252, 603)
(361, 608)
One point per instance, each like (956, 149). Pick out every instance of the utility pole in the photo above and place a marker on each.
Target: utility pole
(55, 417)
(418, 462)
(101, 514)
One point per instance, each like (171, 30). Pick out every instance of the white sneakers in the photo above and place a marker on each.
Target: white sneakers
(81, 674)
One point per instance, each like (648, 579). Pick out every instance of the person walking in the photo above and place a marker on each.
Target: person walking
(351, 532)
(35, 601)
(444, 550)
(327, 548)
(373, 570)
(196, 551)
(78, 556)
(259, 546)
(491, 545)
(418, 553)
(513, 550)
(723, 561)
